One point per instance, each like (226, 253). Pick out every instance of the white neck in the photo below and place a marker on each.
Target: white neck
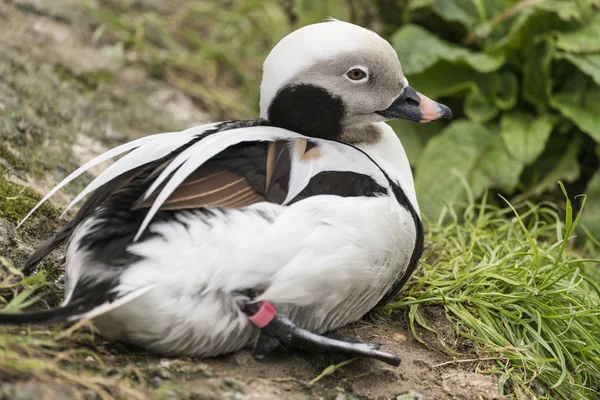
(389, 154)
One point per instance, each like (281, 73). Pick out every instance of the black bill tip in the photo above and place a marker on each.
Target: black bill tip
(445, 111)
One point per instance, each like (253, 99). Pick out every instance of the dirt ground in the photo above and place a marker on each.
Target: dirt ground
(65, 97)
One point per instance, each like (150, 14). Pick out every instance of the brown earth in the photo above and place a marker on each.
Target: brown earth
(65, 98)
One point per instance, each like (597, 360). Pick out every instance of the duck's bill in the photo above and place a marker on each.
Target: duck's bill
(414, 106)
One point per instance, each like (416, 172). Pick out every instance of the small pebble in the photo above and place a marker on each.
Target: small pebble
(164, 374)
(399, 337)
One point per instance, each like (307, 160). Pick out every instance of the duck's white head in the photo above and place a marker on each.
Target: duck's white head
(334, 80)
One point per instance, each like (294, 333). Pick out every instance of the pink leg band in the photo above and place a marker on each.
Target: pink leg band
(264, 315)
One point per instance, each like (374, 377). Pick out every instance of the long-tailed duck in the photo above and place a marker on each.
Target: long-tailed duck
(262, 232)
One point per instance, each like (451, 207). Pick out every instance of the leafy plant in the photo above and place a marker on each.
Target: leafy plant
(523, 79)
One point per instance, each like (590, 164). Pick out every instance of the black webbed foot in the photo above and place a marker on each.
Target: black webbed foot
(281, 330)
(289, 334)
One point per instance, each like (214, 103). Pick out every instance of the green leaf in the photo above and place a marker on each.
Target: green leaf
(445, 79)
(583, 40)
(470, 13)
(431, 50)
(463, 11)
(536, 74)
(526, 27)
(581, 107)
(489, 94)
(565, 169)
(413, 137)
(569, 10)
(463, 149)
(496, 170)
(524, 135)
(589, 64)
(590, 217)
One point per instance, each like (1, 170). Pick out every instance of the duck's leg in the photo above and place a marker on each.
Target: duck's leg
(278, 329)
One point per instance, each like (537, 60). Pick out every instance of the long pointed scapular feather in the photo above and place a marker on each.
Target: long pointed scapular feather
(92, 163)
(149, 152)
(194, 156)
(300, 175)
(157, 138)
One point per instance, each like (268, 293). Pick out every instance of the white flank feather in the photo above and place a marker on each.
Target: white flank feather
(194, 156)
(90, 164)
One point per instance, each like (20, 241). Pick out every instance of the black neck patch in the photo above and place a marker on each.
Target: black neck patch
(309, 110)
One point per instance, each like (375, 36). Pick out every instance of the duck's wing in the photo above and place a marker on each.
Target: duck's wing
(239, 176)
(197, 168)
(278, 165)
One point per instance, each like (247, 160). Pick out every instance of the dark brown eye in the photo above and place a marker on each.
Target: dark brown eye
(356, 74)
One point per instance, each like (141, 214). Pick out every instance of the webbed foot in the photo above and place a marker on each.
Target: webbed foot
(281, 330)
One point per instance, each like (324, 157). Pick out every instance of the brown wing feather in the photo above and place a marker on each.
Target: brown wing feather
(211, 186)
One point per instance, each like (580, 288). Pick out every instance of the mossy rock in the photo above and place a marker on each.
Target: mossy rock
(16, 201)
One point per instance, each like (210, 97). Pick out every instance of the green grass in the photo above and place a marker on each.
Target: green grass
(511, 284)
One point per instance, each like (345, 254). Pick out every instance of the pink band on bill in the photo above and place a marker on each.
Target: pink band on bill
(264, 315)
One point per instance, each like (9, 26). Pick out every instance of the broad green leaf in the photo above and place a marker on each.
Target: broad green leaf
(589, 64)
(536, 74)
(413, 137)
(418, 49)
(583, 40)
(515, 32)
(569, 10)
(590, 217)
(470, 13)
(445, 79)
(526, 27)
(465, 149)
(565, 169)
(525, 135)
(581, 107)
(463, 11)
(479, 107)
(496, 169)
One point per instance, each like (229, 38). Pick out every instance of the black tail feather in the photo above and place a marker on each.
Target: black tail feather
(58, 314)
(45, 249)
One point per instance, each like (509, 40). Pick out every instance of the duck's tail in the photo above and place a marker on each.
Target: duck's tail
(68, 312)
(82, 308)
